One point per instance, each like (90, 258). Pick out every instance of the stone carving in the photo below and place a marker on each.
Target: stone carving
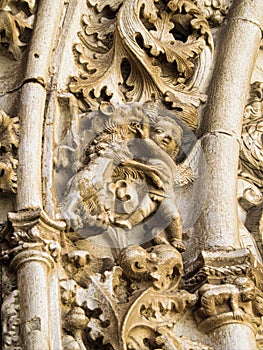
(250, 171)
(125, 306)
(129, 184)
(32, 229)
(214, 11)
(11, 321)
(137, 51)
(229, 287)
(9, 129)
(16, 20)
(251, 152)
(240, 300)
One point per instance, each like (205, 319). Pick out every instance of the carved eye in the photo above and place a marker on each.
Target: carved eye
(158, 131)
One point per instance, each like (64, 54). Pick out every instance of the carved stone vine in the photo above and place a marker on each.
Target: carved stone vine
(16, 21)
(137, 51)
(9, 139)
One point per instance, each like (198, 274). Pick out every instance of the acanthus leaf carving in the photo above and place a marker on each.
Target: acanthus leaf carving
(16, 20)
(9, 139)
(109, 309)
(250, 184)
(143, 50)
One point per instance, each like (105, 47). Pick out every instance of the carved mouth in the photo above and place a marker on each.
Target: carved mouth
(165, 142)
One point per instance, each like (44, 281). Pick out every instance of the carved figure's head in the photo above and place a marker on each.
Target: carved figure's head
(246, 287)
(167, 134)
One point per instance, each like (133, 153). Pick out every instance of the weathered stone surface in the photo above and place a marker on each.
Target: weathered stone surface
(131, 174)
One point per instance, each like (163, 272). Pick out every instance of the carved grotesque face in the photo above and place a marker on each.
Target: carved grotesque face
(167, 135)
(247, 289)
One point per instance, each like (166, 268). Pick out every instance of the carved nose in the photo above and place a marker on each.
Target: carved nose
(167, 138)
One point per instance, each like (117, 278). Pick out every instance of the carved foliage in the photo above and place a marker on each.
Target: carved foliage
(150, 321)
(9, 129)
(11, 321)
(137, 50)
(123, 308)
(32, 229)
(251, 154)
(16, 19)
(214, 11)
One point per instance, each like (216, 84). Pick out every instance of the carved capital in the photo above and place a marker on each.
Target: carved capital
(235, 302)
(215, 266)
(34, 237)
(229, 287)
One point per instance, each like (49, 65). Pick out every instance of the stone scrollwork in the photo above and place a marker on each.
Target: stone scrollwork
(9, 138)
(137, 51)
(16, 20)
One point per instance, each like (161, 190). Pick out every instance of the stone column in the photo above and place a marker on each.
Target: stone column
(33, 101)
(37, 249)
(220, 133)
(222, 122)
(229, 309)
(35, 235)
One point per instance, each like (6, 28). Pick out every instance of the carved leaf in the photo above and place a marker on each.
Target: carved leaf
(31, 4)
(100, 304)
(181, 5)
(9, 129)
(8, 24)
(13, 24)
(8, 177)
(101, 4)
(150, 311)
(142, 53)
